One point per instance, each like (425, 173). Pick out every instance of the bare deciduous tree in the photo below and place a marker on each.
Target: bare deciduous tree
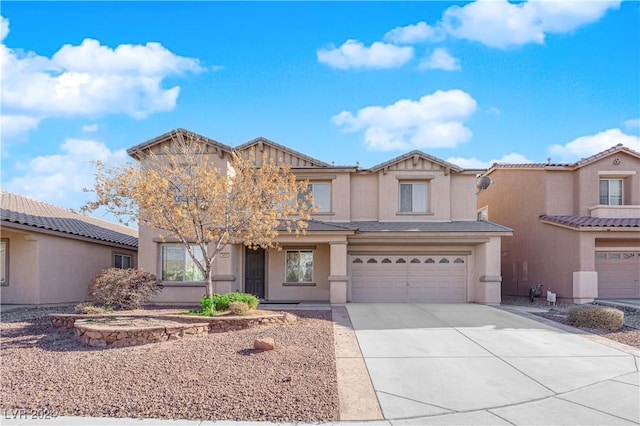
(201, 206)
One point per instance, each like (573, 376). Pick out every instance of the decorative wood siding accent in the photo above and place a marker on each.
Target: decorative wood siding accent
(277, 154)
(415, 163)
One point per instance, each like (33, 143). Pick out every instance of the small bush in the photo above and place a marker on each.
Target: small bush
(91, 309)
(238, 308)
(597, 317)
(206, 306)
(123, 288)
(221, 301)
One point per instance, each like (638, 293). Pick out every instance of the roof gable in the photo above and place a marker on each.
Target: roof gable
(25, 211)
(569, 166)
(276, 151)
(218, 147)
(416, 160)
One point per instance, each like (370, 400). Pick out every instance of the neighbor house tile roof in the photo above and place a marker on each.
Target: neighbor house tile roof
(25, 211)
(592, 222)
(570, 166)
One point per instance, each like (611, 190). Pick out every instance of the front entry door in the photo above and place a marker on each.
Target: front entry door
(254, 272)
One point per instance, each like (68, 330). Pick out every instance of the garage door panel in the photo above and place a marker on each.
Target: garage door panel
(618, 274)
(387, 278)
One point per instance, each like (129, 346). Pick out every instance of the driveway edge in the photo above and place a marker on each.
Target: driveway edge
(357, 398)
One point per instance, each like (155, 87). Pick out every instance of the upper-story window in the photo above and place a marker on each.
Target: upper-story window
(611, 192)
(321, 196)
(413, 197)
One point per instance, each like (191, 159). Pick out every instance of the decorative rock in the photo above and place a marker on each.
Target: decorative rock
(264, 344)
(290, 318)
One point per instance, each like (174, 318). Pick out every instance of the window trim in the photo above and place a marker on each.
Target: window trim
(5, 241)
(322, 210)
(186, 256)
(299, 283)
(123, 255)
(427, 200)
(609, 180)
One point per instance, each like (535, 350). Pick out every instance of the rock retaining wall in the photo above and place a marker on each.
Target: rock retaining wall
(102, 330)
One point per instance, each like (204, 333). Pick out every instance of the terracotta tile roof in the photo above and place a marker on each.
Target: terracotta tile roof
(453, 226)
(578, 164)
(375, 226)
(592, 222)
(25, 211)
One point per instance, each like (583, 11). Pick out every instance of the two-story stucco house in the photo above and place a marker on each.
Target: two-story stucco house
(576, 226)
(402, 231)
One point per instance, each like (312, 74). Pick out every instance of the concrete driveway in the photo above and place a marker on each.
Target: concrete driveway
(475, 364)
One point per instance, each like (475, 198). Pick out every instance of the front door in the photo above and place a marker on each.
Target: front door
(254, 272)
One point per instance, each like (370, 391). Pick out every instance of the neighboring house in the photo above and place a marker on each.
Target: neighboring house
(576, 226)
(50, 255)
(402, 231)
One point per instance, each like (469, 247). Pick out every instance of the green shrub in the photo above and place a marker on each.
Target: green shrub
(91, 309)
(206, 306)
(238, 308)
(597, 317)
(123, 288)
(221, 301)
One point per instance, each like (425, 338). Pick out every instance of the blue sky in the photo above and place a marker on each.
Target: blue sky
(345, 82)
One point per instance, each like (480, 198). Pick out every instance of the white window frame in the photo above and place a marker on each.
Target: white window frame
(189, 267)
(418, 189)
(313, 188)
(608, 194)
(301, 277)
(122, 257)
(4, 261)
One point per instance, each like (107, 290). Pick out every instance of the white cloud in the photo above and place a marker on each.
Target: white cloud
(494, 111)
(474, 163)
(440, 59)
(586, 146)
(433, 121)
(59, 178)
(502, 24)
(90, 79)
(416, 33)
(14, 125)
(4, 28)
(633, 123)
(353, 54)
(90, 128)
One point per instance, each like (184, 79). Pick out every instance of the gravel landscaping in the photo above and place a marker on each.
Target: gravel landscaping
(629, 334)
(217, 377)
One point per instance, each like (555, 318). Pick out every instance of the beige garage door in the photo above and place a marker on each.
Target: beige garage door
(417, 279)
(618, 274)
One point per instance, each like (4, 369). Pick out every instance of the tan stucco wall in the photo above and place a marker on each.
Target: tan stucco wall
(540, 253)
(24, 285)
(277, 290)
(49, 269)
(463, 197)
(364, 197)
(588, 180)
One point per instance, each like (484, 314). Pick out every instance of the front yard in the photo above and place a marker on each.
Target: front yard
(219, 376)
